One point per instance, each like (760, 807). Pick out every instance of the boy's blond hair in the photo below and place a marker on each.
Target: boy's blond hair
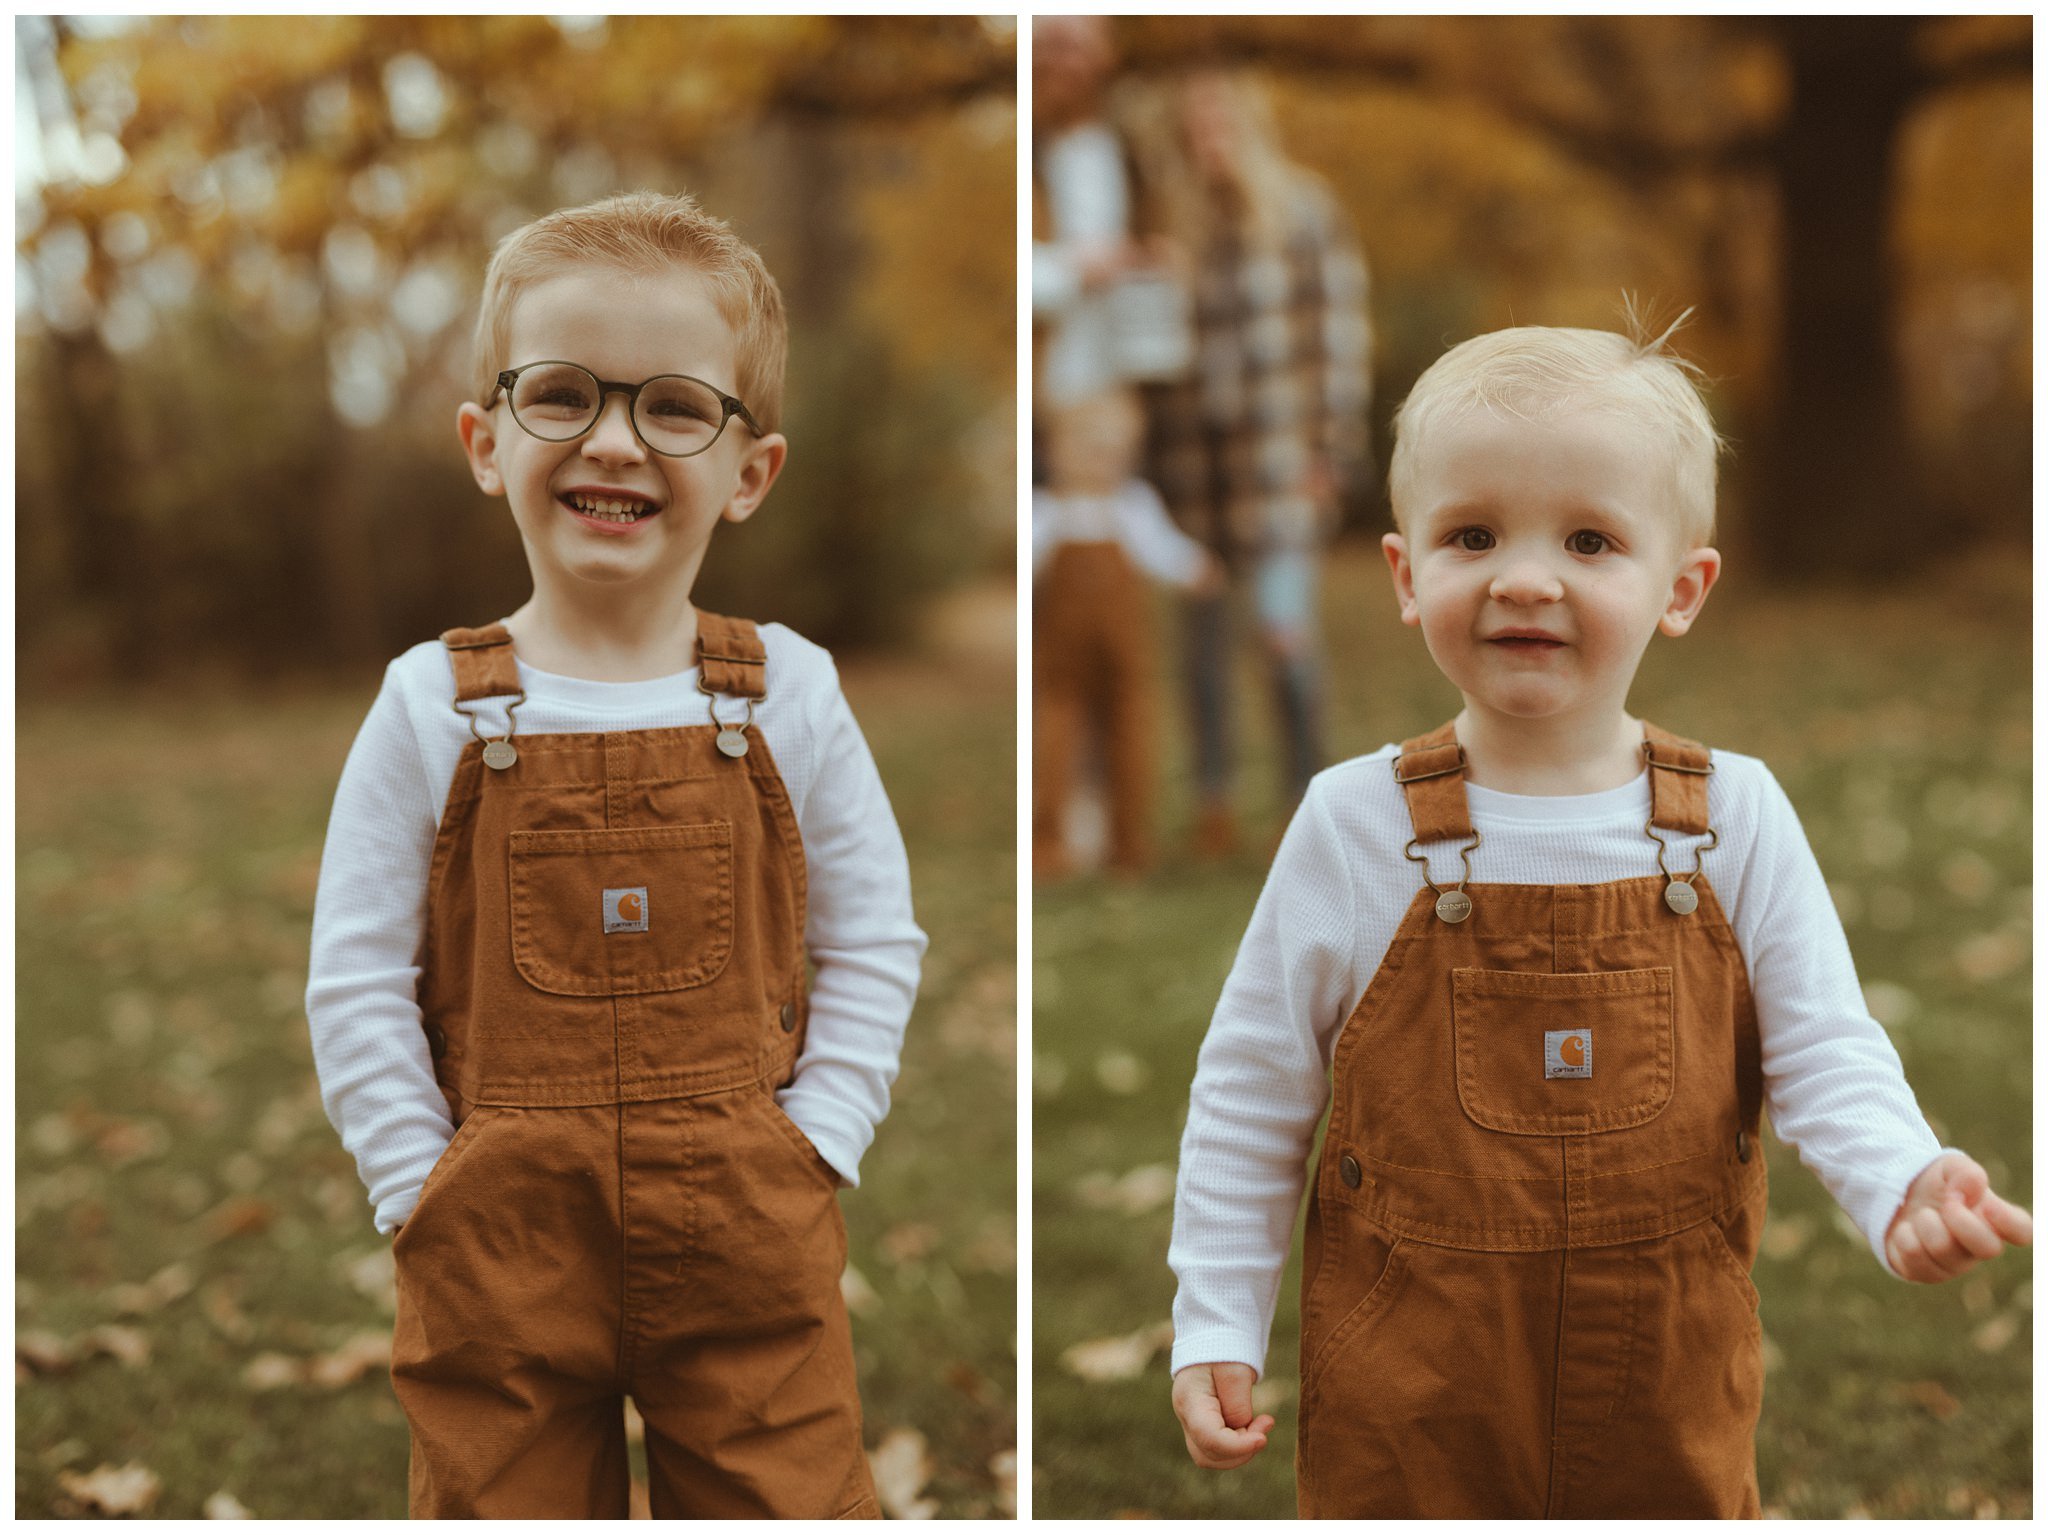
(1533, 370)
(644, 234)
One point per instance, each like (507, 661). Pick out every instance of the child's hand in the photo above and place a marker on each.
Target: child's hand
(1950, 1222)
(1214, 1405)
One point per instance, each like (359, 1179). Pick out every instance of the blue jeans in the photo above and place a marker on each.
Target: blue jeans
(1282, 586)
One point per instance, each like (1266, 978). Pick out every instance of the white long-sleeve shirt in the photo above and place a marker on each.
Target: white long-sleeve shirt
(1132, 516)
(1088, 197)
(369, 916)
(1338, 889)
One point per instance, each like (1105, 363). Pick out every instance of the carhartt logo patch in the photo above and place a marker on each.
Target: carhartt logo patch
(625, 911)
(1567, 1053)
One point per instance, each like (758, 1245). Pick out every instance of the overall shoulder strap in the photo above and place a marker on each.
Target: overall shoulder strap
(1431, 773)
(482, 661)
(1679, 770)
(730, 656)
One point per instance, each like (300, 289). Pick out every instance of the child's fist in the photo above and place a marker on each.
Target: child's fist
(1950, 1222)
(1214, 1405)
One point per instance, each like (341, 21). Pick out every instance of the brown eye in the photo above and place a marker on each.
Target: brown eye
(1585, 541)
(1474, 539)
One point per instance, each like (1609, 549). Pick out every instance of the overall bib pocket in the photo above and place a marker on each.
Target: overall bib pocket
(621, 910)
(1562, 1054)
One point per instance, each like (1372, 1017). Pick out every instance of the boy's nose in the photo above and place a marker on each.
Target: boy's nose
(611, 435)
(1526, 580)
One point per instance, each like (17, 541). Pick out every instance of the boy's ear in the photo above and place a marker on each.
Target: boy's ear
(1689, 588)
(757, 473)
(480, 446)
(1396, 548)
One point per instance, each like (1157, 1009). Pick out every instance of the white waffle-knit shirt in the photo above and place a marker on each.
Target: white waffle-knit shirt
(1337, 891)
(370, 913)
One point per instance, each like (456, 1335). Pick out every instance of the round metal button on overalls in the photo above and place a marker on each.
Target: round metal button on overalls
(1348, 1171)
(788, 1017)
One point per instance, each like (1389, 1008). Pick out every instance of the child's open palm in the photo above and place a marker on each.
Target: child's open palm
(1950, 1222)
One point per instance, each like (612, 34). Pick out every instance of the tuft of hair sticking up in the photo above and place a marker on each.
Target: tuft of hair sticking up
(1534, 372)
(643, 234)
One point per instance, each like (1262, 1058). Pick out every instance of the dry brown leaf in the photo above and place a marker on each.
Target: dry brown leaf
(901, 1465)
(1138, 1192)
(344, 1366)
(1125, 1358)
(1933, 1397)
(269, 1372)
(225, 1505)
(223, 1308)
(1995, 1334)
(910, 1242)
(130, 1345)
(173, 1282)
(44, 1353)
(859, 1295)
(970, 1383)
(1003, 1467)
(372, 1274)
(242, 1216)
(116, 1490)
(123, 1141)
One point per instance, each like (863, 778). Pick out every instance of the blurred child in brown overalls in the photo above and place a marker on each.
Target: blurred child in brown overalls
(613, 948)
(1096, 532)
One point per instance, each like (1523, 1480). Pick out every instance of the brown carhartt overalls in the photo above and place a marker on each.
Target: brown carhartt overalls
(1526, 1290)
(613, 986)
(1091, 662)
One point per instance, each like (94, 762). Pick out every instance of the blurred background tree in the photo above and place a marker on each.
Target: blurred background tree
(1845, 201)
(249, 254)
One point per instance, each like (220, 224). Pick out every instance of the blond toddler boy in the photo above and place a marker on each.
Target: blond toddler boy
(579, 864)
(1557, 963)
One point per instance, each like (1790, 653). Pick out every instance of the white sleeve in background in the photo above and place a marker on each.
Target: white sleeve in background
(376, 1075)
(1833, 1084)
(862, 938)
(1149, 536)
(1260, 1086)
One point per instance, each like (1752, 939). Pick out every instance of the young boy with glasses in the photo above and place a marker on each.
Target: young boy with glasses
(580, 863)
(1557, 963)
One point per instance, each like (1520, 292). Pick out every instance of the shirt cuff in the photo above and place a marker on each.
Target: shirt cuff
(1219, 1346)
(838, 1142)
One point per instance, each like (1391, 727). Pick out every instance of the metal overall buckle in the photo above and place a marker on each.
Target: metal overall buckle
(499, 754)
(732, 739)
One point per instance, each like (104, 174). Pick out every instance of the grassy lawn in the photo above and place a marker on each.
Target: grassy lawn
(1900, 727)
(200, 1292)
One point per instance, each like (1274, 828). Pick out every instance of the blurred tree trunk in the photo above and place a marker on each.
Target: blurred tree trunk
(346, 605)
(1838, 495)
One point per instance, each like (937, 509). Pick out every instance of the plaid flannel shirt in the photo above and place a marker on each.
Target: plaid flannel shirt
(1281, 379)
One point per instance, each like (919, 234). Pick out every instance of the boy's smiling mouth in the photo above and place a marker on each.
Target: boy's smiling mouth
(608, 508)
(1526, 640)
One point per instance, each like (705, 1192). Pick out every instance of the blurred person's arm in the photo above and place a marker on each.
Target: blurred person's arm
(369, 916)
(1155, 543)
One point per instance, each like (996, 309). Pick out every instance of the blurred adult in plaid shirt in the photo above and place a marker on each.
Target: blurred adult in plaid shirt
(1257, 450)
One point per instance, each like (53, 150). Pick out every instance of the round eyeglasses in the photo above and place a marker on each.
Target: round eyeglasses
(673, 414)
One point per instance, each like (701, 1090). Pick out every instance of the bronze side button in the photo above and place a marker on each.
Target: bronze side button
(1742, 1145)
(436, 1040)
(789, 1017)
(1348, 1171)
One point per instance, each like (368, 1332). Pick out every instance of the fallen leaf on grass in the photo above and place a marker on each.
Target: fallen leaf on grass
(225, 1505)
(859, 1295)
(269, 1372)
(116, 1490)
(1138, 1192)
(130, 1345)
(1933, 1397)
(123, 1141)
(1121, 1073)
(173, 1282)
(1003, 1467)
(901, 1465)
(44, 1353)
(1995, 1334)
(372, 1275)
(970, 1383)
(909, 1243)
(1125, 1358)
(223, 1308)
(1992, 955)
(241, 1216)
(349, 1363)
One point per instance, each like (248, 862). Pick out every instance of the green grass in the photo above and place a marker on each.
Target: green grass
(167, 1112)
(1899, 724)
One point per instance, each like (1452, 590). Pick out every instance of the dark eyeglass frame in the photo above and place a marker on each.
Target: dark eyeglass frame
(732, 404)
